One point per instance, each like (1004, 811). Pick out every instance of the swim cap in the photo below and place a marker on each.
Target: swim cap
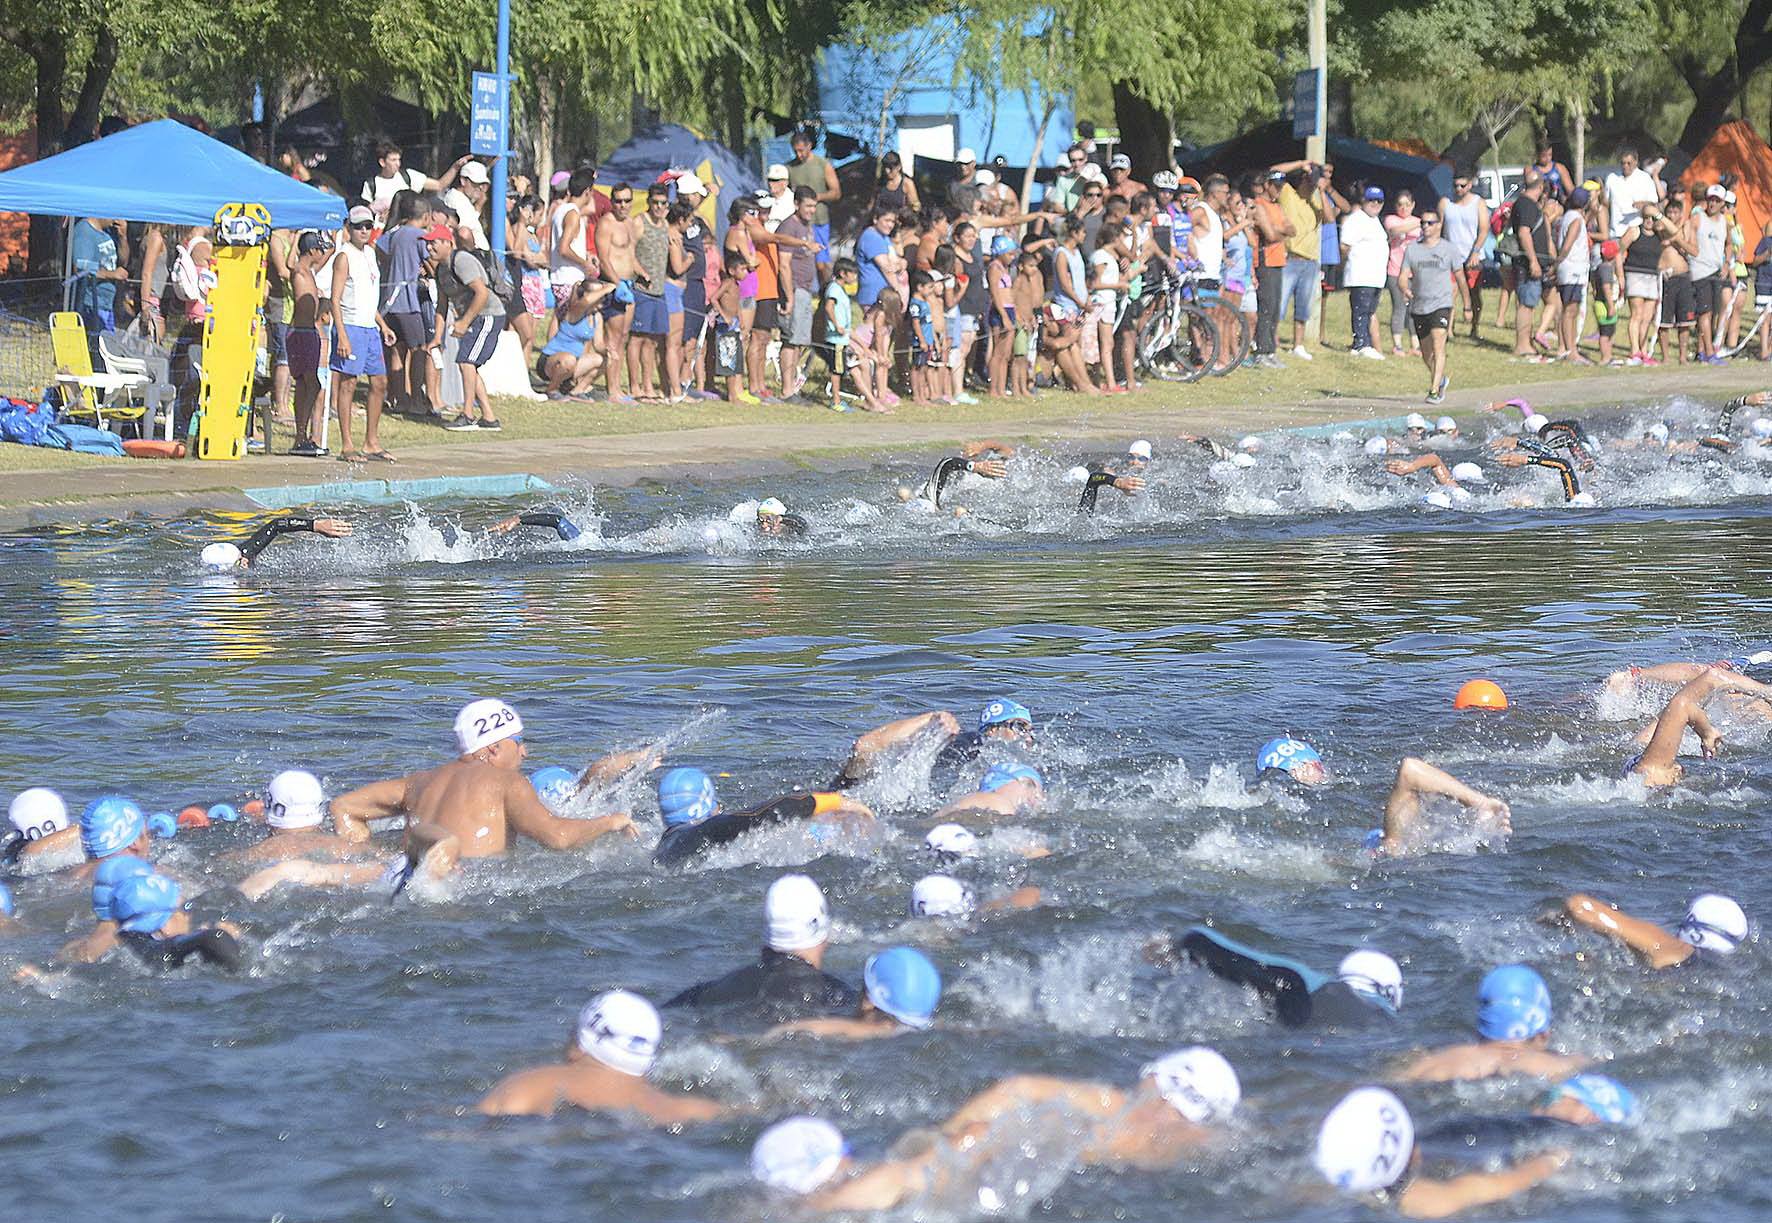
(951, 841)
(554, 784)
(941, 896)
(1198, 1082)
(1581, 501)
(566, 529)
(1534, 422)
(1605, 1097)
(1366, 1141)
(743, 512)
(1467, 472)
(1376, 446)
(1439, 499)
(904, 983)
(1445, 425)
(1285, 753)
(1714, 923)
(1480, 694)
(1139, 450)
(111, 872)
(295, 799)
(485, 722)
(771, 505)
(1250, 443)
(1416, 420)
(1002, 244)
(109, 824)
(795, 915)
(1007, 774)
(798, 1155)
(7, 908)
(1242, 459)
(1762, 426)
(37, 812)
(1001, 710)
(1658, 431)
(1513, 1003)
(621, 1030)
(686, 796)
(220, 556)
(1373, 972)
(163, 824)
(144, 903)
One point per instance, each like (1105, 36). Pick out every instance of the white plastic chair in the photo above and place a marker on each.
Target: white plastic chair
(130, 375)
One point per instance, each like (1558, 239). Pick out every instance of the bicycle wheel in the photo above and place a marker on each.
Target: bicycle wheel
(1156, 334)
(1195, 344)
(1234, 344)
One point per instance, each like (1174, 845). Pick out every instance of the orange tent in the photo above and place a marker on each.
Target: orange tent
(1411, 145)
(15, 227)
(1737, 149)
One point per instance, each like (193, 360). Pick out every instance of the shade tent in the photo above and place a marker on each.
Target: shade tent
(1354, 160)
(163, 172)
(656, 149)
(1736, 149)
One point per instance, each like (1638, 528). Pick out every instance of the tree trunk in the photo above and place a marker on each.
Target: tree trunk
(1049, 104)
(1146, 135)
(51, 57)
(1468, 146)
(1715, 93)
(1557, 130)
(1713, 98)
(546, 122)
(1579, 151)
(84, 121)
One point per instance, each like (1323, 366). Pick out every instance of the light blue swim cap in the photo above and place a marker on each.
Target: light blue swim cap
(1001, 710)
(145, 903)
(566, 530)
(1002, 244)
(163, 824)
(223, 813)
(1513, 1003)
(1285, 752)
(1005, 774)
(686, 796)
(6, 906)
(111, 872)
(554, 784)
(1605, 1097)
(110, 823)
(904, 983)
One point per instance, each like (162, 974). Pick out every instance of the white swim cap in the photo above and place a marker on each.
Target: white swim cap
(1445, 425)
(1377, 445)
(37, 812)
(621, 1030)
(1198, 1082)
(1534, 422)
(1242, 459)
(941, 896)
(295, 800)
(1582, 501)
(1658, 431)
(744, 511)
(1077, 475)
(1373, 972)
(798, 1154)
(1250, 443)
(795, 915)
(1463, 472)
(1459, 495)
(1416, 420)
(771, 505)
(483, 723)
(1140, 449)
(220, 556)
(1762, 426)
(1714, 923)
(1439, 499)
(1366, 1141)
(951, 839)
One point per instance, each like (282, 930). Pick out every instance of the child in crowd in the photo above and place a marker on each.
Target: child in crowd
(839, 312)
(1029, 292)
(873, 351)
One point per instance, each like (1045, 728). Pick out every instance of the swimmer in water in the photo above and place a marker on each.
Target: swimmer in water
(1565, 435)
(98, 942)
(942, 897)
(1456, 482)
(431, 854)
(1005, 789)
(1166, 1117)
(1367, 1147)
(544, 519)
(1658, 765)
(1513, 1019)
(901, 988)
(295, 809)
(480, 797)
(1584, 1102)
(1367, 987)
(607, 1060)
(151, 924)
(242, 556)
(987, 459)
(694, 822)
(1714, 926)
(773, 521)
(1098, 479)
(1002, 720)
(1533, 453)
(787, 981)
(868, 750)
(40, 831)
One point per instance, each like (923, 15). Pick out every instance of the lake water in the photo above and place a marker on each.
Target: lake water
(1159, 643)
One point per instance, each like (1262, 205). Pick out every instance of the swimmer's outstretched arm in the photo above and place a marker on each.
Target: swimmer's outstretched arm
(528, 815)
(1432, 1199)
(1416, 778)
(833, 1027)
(260, 884)
(1100, 479)
(880, 1187)
(66, 840)
(985, 445)
(1023, 1091)
(1009, 800)
(379, 800)
(261, 538)
(1659, 947)
(1430, 461)
(1685, 709)
(90, 947)
(1021, 898)
(869, 746)
(609, 768)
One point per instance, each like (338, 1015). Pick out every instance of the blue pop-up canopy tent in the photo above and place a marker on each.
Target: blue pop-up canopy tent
(166, 172)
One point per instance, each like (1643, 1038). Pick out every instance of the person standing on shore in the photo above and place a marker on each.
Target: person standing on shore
(1466, 217)
(1426, 282)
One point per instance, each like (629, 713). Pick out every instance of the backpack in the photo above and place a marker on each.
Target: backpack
(25, 423)
(498, 278)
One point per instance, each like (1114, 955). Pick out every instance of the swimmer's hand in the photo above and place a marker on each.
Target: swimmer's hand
(332, 528)
(619, 821)
(1129, 484)
(1495, 813)
(1035, 851)
(1397, 467)
(1711, 743)
(504, 525)
(990, 469)
(1504, 443)
(1512, 458)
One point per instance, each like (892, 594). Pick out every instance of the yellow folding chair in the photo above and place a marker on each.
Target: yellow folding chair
(100, 396)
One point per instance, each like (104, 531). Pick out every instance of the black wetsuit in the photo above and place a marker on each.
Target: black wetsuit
(1331, 1003)
(1092, 487)
(211, 946)
(777, 988)
(1469, 1142)
(261, 538)
(946, 472)
(686, 841)
(1538, 454)
(962, 749)
(1569, 435)
(553, 520)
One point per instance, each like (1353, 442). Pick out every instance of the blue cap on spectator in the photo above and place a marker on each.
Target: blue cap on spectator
(1375, 192)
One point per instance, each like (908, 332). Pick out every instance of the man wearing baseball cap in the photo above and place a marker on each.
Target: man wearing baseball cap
(1709, 232)
(480, 797)
(963, 191)
(1120, 180)
(467, 199)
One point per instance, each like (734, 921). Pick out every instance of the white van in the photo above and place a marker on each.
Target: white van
(1497, 186)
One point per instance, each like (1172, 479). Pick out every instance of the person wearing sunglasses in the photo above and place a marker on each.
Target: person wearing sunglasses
(615, 235)
(481, 797)
(1426, 283)
(1714, 926)
(1466, 222)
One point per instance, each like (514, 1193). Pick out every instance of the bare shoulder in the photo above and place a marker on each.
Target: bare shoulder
(531, 1092)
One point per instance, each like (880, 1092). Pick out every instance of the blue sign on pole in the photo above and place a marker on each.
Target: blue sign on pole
(1305, 112)
(487, 122)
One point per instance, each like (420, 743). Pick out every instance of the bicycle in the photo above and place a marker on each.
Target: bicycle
(1748, 334)
(1177, 340)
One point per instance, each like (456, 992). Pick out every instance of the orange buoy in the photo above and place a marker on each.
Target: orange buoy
(149, 448)
(252, 808)
(1480, 694)
(193, 817)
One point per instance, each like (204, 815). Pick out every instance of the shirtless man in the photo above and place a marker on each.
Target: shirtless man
(605, 1069)
(481, 797)
(1513, 1018)
(1658, 765)
(1006, 789)
(294, 810)
(615, 248)
(307, 315)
